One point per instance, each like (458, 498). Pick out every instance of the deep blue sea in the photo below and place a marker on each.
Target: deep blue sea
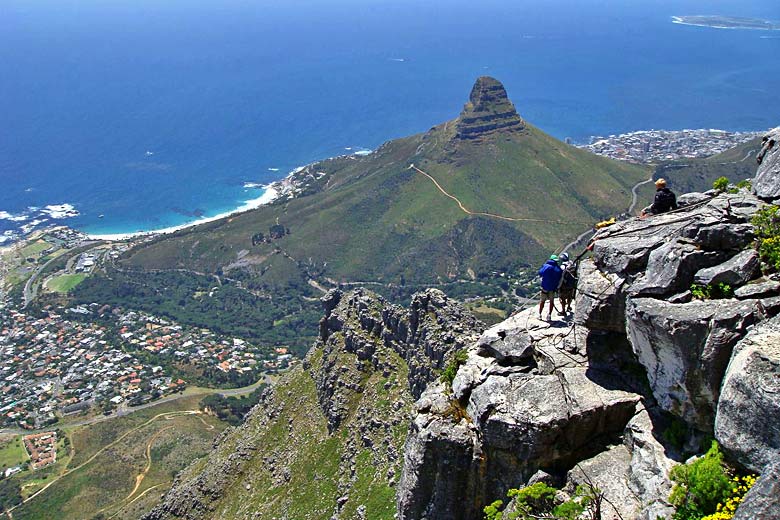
(156, 113)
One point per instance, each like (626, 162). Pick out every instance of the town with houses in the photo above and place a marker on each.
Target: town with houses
(651, 146)
(55, 365)
(41, 448)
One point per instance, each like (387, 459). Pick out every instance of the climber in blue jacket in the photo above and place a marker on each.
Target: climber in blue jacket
(551, 274)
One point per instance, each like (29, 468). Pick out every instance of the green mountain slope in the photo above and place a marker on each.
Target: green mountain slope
(374, 218)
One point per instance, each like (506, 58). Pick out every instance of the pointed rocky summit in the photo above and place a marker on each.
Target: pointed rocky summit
(488, 111)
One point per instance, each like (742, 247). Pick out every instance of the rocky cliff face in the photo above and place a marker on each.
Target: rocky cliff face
(767, 182)
(326, 441)
(604, 399)
(488, 111)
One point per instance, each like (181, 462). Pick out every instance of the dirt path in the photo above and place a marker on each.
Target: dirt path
(144, 492)
(480, 213)
(148, 456)
(634, 194)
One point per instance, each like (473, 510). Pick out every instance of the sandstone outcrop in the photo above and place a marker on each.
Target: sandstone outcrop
(573, 402)
(507, 417)
(488, 111)
(360, 322)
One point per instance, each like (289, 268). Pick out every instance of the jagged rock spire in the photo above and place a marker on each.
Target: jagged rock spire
(488, 111)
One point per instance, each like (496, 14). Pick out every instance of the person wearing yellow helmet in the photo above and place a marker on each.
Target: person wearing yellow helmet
(665, 200)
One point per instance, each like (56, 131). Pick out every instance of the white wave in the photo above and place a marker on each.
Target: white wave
(32, 225)
(273, 169)
(363, 152)
(399, 60)
(4, 215)
(253, 185)
(28, 190)
(59, 211)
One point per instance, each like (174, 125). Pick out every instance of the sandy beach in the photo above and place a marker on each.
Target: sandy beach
(269, 195)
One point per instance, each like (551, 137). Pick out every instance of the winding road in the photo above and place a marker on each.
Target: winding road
(634, 194)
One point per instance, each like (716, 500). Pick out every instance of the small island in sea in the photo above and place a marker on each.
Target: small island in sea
(727, 22)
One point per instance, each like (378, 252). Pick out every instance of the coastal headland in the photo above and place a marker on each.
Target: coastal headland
(727, 22)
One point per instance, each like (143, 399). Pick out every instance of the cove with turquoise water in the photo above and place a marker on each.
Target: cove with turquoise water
(141, 115)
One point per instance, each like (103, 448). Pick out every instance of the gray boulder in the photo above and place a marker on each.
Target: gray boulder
(685, 349)
(736, 271)
(504, 421)
(534, 421)
(763, 500)
(600, 305)
(507, 347)
(722, 224)
(721, 237)
(748, 419)
(648, 475)
(758, 290)
(608, 472)
(688, 199)
(441, 463)
(767, 182)
(671, 268)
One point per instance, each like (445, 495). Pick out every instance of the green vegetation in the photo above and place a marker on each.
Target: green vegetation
(705, 488)
(34, 249)
(310, 467)
(451, 368)
(712, 291)
(720, 184)
(723, 184)
(687, 175)
(12, 453)
(232, 409)
(65, 283)
(767, 228)
(538, 501)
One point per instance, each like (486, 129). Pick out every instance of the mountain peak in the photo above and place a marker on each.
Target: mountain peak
(488, 111)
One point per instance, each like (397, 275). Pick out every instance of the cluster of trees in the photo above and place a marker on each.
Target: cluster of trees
(232, 409)
(282, 318)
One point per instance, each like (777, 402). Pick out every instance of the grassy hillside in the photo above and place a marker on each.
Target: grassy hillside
(375, 219)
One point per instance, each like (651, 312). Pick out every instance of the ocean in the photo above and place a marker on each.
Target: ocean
(136, 115)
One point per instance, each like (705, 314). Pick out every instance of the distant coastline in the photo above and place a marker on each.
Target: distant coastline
(269, 195)
(727, 22)
(288, 186)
